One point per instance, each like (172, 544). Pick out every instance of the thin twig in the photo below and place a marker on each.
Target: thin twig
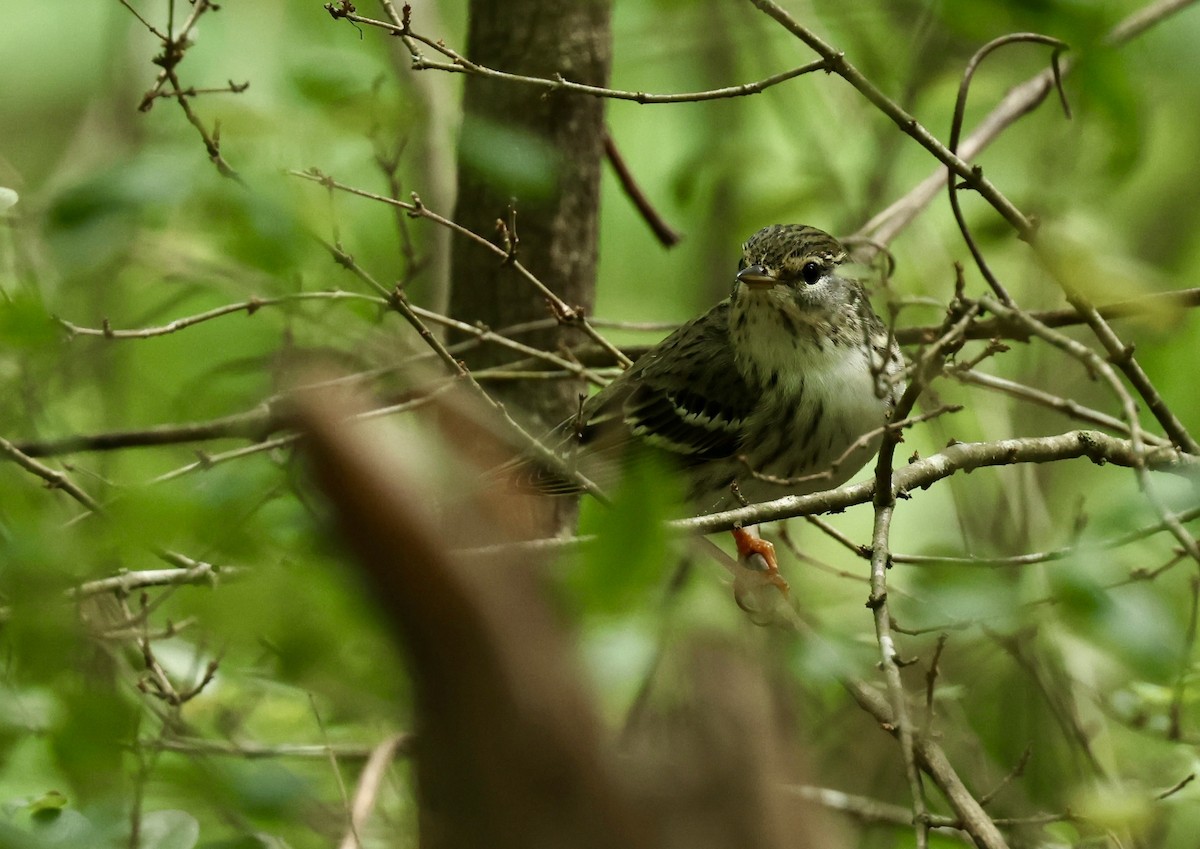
(1067, 406)
(1142, 19)
(259, 751)
(398, 301)
(960, 108)
(460, 64)
(1175, 711)
(1122, 355)
(1101, 368)
(207, 461)
(1019, 101)
(1034, 557)
(830, 472)
(566, 314)
(1016, 772)
(54, 479)
(836, 63)
(126, 582)
(971, 816)
(1176, 787)
(664, 232)
(369, 783)
(864, 809)
(1060, 700)
(191, 91)
(252, 424)
(485, 335)
(250, 307)
(926, 365)
(931, 677)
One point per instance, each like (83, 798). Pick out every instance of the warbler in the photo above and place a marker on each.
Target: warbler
(757, 397)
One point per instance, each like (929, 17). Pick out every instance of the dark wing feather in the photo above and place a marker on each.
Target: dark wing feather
(684, 397)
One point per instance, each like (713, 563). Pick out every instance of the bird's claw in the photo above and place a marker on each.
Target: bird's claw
(754, 577)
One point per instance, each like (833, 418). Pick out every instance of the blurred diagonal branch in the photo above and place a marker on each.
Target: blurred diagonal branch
(510, 750)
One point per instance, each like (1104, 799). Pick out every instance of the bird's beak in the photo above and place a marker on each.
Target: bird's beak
(756, 277)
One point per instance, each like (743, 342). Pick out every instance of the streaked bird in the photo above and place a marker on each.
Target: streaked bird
(755, 398)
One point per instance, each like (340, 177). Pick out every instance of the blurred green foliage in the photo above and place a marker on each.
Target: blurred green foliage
(121, 218)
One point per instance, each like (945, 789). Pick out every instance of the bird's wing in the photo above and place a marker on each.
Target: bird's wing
(691, 401)
(684, 397)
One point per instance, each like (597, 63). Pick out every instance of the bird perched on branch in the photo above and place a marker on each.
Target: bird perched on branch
(782, 388)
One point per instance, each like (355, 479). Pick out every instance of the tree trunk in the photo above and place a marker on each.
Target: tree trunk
(540, 153)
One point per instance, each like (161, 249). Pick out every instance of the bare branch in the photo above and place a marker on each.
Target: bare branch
(460, 64)
(866, 810)
(862, 441)
(126, 582)
(928, 363)
(1019, 101)
(1176, 787)
(1097, 366)
(963, 456)
(1122, 355)
(836, 63)
(54, 479)
(666, 235)
(1017, 560)
(1067, 406)
(259, 751)
(1144, 18)
(960, 107)
(565, 313)
(250, 307)
(971, 816)
(368, 786)
(252, 424)
(174, 48)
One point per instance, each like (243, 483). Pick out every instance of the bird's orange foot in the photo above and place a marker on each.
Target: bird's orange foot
(748, 545)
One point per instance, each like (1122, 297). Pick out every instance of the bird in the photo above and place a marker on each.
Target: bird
(782, 388)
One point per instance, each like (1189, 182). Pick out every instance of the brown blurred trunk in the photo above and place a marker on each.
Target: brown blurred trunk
(510, 750)
(557, 227)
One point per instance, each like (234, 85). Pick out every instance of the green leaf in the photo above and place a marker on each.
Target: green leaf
(52, 800)
(634, 550)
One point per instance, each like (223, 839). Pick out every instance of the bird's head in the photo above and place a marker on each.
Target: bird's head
(794, 263)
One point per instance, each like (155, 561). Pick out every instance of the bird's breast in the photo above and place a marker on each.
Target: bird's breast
(810, 424)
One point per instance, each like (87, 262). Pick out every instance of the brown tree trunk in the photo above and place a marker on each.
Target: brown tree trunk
(540, 152)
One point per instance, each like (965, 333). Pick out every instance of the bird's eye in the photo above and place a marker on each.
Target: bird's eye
(812, 272)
